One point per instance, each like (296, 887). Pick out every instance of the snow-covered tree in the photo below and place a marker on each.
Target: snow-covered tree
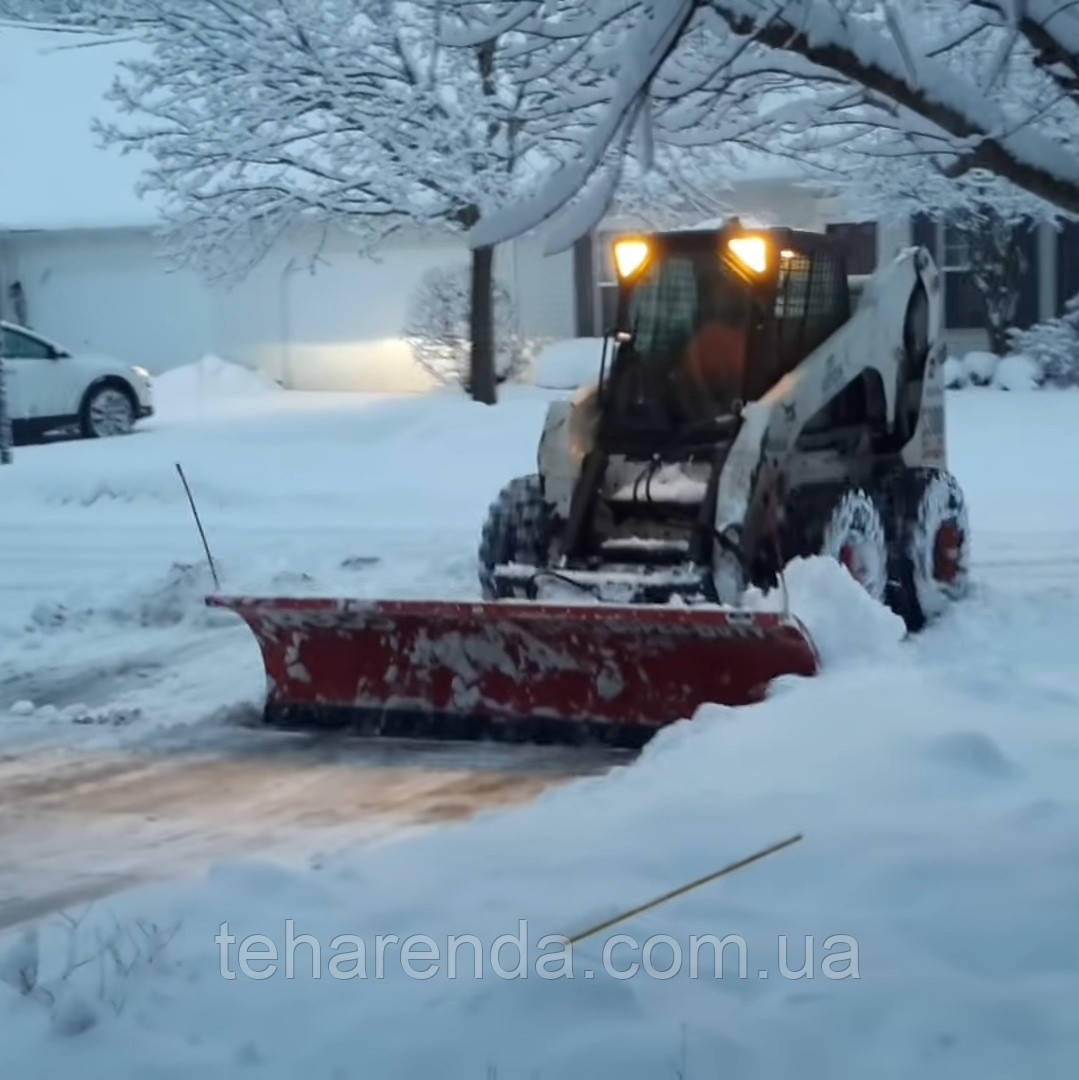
(936, 93)
(39, 10)
(260, 117)
(437, 327)
(1053, 346)
(997, 263)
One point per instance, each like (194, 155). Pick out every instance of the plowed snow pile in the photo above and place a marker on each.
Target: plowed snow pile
(207, 386)
(844, 621)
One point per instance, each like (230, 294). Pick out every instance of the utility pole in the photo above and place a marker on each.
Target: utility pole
(5, 419)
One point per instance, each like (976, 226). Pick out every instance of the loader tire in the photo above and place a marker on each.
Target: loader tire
(854, 535)
(517, 530)
(930, 558)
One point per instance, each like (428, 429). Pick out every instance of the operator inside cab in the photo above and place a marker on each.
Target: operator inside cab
(688, 320)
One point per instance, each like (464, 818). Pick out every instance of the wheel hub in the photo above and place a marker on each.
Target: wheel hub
(854, 537)
(946, 548)
(854, 560)
(110, 413)
(846, 557)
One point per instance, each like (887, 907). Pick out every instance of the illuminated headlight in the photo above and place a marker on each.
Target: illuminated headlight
(630, 256)
(751, 251)
(140, 372)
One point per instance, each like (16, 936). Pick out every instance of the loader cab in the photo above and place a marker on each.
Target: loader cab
(708, 320)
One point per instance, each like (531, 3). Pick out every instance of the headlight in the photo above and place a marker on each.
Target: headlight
(141, 372)
(751, 251)
(630, 256)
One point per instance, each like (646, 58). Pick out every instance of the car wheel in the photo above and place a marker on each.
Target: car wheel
(108, 410)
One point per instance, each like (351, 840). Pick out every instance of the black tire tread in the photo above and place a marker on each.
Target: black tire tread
(517, 530)
(905, 491)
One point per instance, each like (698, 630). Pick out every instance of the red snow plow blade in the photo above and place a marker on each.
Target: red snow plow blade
(515, 671)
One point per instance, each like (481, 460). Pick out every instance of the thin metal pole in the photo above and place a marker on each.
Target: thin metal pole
(198, 522)
(5, 416)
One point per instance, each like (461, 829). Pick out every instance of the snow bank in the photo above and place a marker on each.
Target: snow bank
(1014, 372)
(196, 388)
(1017, 372)
(846, 624)
(979, 367)
(955, 376)
(566, 365)
(936, 803)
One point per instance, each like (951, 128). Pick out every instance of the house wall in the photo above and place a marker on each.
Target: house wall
(105, 291)
(335, 322)
(331, 322)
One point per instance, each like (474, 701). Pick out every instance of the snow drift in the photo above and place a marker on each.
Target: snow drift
(206, 384)
(845, 623)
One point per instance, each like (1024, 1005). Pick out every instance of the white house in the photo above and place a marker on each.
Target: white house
(79, 261)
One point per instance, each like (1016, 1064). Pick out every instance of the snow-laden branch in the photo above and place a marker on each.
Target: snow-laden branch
(815, 30)
(962, 88)
(646, 49)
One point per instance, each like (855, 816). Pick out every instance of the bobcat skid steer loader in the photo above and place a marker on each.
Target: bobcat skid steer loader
(747, 416)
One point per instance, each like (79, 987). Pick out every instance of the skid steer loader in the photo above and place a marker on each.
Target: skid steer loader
(745, 416)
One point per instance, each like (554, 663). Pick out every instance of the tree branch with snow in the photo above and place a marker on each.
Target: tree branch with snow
(955, 89)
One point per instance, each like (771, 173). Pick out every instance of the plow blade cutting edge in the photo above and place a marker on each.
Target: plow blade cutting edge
(514, 671)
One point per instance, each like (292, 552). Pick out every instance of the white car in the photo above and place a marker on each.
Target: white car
(49, 388)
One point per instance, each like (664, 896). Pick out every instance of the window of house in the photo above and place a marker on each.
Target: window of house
(956, 249)
(858, 242)
(1067, 256)
(963, 306)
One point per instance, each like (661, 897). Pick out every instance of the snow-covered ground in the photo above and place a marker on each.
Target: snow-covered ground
(933, 781)
(104, 576)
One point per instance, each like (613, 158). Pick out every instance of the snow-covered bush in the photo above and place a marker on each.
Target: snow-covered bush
(980, 367)
(1017, 372)
(437, 327)
(1053, 346)
(955, 376)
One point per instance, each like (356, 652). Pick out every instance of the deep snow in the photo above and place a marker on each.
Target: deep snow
(933, 780)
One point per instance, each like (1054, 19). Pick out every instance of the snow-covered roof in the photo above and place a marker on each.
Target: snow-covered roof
(54, 174)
